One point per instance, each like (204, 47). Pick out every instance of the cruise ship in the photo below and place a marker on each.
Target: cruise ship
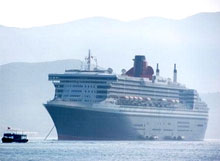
(138, 104)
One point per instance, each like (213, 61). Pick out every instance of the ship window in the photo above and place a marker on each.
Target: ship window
(138, 125)
(181, 122)
(74, 95)
(104, 87)
(183, 126)
(76, 91)
(101, 91)
(57, 85)
(91, 78)
(75, 99)
(59, 90)
(156, 129)
(77, 86)
(167, 130)
(59, 95)
(183, 130)
(23, 137)
(100, 96)
(73, 81)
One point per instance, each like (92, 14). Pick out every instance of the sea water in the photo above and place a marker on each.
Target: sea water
(111, 151)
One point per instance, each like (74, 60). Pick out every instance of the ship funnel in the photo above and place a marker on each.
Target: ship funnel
(174, 74)
(139, 65)
(140, 68)
(157, 71)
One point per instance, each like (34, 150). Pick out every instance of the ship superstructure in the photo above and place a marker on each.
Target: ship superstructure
(100, 105)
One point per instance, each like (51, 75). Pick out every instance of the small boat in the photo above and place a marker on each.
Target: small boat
(13, 137)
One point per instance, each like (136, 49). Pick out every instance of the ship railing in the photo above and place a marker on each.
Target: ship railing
(156, 108)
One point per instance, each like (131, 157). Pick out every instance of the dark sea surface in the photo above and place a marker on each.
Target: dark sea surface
(111, 150)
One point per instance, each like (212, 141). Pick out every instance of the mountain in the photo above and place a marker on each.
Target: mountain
(213, 101)
(192, 43)
(24, 87)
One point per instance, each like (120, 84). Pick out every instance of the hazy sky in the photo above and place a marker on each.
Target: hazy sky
(28, 13)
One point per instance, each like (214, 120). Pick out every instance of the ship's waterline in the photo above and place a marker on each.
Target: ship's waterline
(137, 105)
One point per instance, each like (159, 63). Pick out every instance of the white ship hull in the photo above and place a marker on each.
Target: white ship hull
(75, 121)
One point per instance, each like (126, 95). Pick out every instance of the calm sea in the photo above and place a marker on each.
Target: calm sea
(111, 150)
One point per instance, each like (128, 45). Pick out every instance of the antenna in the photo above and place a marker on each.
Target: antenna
(157, 71)
(81, 65)
(96, 63)
(175, 74)
(89, 60)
